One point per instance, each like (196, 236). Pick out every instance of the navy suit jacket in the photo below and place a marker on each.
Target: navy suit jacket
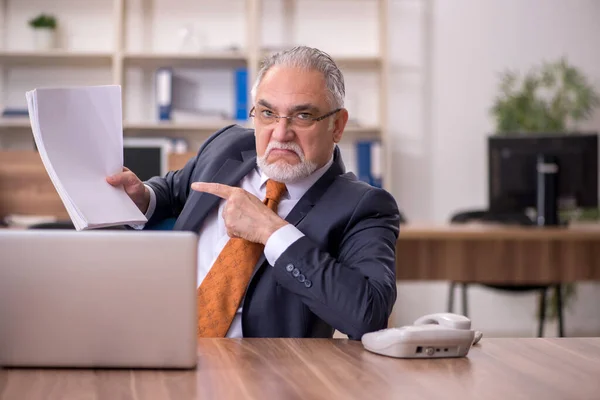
(340, 275)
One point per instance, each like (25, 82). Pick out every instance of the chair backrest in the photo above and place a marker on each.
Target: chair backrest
(402, 218)
(483, 216)
(164, 225)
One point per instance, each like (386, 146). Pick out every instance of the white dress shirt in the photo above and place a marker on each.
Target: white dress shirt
(213, 234)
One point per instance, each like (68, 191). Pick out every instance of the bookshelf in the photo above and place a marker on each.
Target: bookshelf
(123, 42)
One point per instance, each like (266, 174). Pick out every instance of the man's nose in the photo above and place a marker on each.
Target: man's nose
(282, 131)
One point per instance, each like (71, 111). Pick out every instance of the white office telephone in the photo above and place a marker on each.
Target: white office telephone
(441, 335)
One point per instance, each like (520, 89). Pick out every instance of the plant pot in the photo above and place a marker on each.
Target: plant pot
(44, 39)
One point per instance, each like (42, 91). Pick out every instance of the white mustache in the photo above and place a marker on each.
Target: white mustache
(285, 146)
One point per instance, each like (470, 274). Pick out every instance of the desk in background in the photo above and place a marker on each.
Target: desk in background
(459, 253)
(499, 254)
(335, 369)
(26, 188)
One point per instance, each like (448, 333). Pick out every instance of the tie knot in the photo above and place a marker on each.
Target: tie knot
(275, 190)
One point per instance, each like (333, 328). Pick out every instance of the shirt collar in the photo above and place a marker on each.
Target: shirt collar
(297, 189)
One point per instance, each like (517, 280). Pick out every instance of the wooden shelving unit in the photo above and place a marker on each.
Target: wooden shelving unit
(122, 57)
(16, 58)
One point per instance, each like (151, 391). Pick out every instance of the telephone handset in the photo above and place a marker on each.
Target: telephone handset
(441, 335)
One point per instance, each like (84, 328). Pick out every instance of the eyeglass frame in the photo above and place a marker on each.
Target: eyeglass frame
(315, 119)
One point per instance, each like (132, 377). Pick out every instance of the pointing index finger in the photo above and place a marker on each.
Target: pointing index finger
(218, 189)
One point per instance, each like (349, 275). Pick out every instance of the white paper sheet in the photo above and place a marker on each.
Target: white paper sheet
(79, 135)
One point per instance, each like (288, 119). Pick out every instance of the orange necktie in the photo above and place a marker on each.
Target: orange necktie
(222, 289)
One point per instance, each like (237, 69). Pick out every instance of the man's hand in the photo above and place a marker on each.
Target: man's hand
(133, 186)
(245, 216)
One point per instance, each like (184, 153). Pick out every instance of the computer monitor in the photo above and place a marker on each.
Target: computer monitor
(542, 172)
(146, 157)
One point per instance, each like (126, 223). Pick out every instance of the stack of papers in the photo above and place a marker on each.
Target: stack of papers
(79, 136)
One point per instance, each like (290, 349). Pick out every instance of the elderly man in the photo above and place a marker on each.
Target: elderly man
(290, 245)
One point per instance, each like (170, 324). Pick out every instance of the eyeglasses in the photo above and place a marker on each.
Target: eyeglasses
(301, 119)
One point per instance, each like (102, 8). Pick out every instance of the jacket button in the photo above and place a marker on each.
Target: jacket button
(289, 267)
(295, 273)
(307, 283)
(301, 278)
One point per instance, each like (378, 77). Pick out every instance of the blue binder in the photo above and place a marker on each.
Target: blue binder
(368, 161)
(164, 93)
(241, 94)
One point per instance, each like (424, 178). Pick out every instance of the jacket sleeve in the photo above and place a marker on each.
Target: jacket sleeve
(356, 291)
(173, 189)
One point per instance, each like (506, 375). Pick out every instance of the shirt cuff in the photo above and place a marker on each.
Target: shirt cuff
(279, 241)
(149, 211)
(152, 204)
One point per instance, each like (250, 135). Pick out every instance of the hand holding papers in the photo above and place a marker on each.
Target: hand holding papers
(79, 135)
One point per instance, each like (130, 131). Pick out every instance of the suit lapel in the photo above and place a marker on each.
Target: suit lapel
(199, 204)
(310, 198)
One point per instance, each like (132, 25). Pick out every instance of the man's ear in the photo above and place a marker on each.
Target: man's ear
(339, 124)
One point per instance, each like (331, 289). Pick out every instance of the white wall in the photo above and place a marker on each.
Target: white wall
(441, 148)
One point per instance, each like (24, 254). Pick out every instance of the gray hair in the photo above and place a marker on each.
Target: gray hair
(308, 58)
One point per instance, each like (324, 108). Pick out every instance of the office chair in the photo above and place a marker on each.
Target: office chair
(508, 219)
(164, 225)
(403, 220)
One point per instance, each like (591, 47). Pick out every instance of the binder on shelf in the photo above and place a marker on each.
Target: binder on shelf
(164, 93)
(368, 161)
(241, 94)
(15, 112)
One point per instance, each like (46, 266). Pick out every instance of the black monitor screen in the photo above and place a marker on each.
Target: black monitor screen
(513, 171)
(145, 162)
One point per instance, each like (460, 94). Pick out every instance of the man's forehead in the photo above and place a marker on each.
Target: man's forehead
(292, 80)
(293, 74)
(283, 97)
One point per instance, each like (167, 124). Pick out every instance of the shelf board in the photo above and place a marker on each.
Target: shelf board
(212, 59)
(158, 127)
(362, 131)
(57, 57)
(358, 61)
(15, 122)
(346, 61)
(201, 127)
(166, 128)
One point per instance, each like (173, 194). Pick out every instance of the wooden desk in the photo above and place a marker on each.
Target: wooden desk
(496, 254)
(335, 369)
(26, 188)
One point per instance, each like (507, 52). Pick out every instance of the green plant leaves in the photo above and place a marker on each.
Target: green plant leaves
(43, 21)
(549, 98)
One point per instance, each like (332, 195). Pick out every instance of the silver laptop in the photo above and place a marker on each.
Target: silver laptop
(106, 298)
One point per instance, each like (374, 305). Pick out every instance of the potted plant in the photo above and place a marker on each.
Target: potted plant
(44, 30)
(551, 98)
